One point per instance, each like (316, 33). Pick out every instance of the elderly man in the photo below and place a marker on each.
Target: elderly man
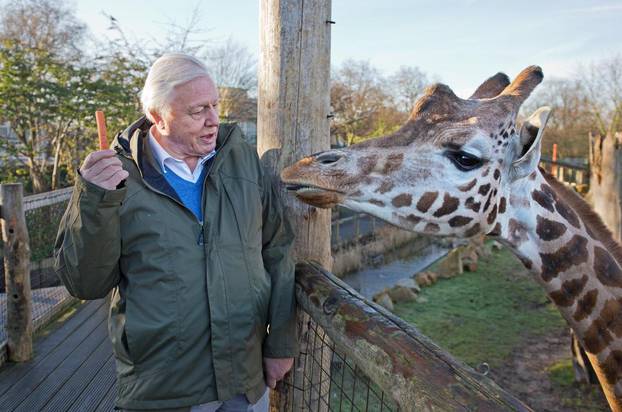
(182, 223)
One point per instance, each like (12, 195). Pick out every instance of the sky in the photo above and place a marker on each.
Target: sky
(457, 42)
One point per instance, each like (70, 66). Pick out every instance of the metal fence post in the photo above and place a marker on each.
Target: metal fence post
(17, 273)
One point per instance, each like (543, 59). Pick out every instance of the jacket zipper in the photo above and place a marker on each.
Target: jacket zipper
(200, 240)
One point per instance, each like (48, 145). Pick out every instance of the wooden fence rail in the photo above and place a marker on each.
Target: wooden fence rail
(392, 353)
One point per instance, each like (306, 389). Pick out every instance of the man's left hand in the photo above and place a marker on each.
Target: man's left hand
(275, 369)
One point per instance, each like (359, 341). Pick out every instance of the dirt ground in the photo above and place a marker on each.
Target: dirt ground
(526, 375)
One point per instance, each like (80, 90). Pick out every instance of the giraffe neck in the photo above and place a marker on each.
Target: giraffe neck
(573, 256)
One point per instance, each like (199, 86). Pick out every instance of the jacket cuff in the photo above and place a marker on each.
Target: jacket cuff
(98, 195)
(283, 346)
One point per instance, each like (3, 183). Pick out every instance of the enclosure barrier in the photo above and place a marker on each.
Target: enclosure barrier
(405, 365)
(358, 357)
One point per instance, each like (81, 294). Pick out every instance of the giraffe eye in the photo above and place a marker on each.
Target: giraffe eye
(463, 160)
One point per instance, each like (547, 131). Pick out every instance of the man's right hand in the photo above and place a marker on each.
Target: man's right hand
(104, 169)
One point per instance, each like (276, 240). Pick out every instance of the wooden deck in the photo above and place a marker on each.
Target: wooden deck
(72, 369)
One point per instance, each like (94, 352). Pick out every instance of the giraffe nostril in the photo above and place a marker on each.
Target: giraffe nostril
(327, 158)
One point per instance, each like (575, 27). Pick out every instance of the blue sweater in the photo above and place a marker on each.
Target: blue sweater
(189, 193)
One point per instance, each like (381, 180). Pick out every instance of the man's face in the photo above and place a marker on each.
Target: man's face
(190, 127)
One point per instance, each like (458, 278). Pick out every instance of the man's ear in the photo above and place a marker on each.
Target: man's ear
(528, 146)
(157, 119)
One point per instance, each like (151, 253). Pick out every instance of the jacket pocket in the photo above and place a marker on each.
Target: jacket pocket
(152, 324)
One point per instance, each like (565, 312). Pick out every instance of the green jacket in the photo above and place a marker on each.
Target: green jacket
(191, 303)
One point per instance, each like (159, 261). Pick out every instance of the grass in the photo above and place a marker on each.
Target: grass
(581, 397)
(481, 316)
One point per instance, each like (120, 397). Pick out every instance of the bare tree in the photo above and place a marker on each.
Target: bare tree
(603, 85)
(407, 85)
(47, 25)
(362, 103)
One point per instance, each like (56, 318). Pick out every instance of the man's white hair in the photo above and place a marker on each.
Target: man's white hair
(167, 72)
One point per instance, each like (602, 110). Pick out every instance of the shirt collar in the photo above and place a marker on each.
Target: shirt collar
(160, 154)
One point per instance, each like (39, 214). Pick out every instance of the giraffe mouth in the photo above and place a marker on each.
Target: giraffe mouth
(316, 196)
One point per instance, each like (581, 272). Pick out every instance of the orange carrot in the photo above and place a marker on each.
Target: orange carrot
(101, 130)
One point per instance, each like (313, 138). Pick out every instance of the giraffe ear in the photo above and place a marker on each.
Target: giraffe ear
(527, 147)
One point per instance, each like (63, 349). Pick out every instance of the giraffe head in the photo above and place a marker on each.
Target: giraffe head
(447, 171)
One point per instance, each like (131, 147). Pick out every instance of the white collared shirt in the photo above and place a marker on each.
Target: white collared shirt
(177, 166)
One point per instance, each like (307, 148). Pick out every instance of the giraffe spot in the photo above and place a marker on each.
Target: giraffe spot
(532, 176)
(377, 202)
(499, 142)
(458, 221)
(597, 337)
(549, 191)
(502, 205)
(570, 290)
(492, 215)
(487, 204)
(426, 201)
(611, 314)
(505, 134)
(385, 187)
(549, 229)
(517, 231)
(497, 174)
(467, 186)
(500, 126)
(543, 200)
(483, 189)
(505, 144)
(357, 193)
(612, 366)
(492, 135)
(572, 253)
(607, 270)
(526, 262)
(486, 171)
(413, 219)
(431, 228)
(496, 231)
(450, 204)
(472, 231)
(567, 213)
(585, 305)
(393, 163)
(367, 163)
(470, 203)
(403, 200)
(512, 130)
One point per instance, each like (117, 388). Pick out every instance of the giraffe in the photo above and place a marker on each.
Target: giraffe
(462, 167)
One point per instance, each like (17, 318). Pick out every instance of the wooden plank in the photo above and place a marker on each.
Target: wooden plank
(47, 199)
(81, 341)
(12, 373)
(416, 373)
(17, 273)
(63, 386)
(107, 403)
(97, 389)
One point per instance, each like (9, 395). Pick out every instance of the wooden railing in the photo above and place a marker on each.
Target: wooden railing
(416, 373)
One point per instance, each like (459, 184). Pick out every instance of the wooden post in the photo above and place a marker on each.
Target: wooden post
(292, 122)
(17, 273)
(554, 159)
(337, 228)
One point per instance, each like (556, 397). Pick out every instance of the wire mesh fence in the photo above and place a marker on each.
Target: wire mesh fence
(325, 379)
(43, 213)
(348, 227)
